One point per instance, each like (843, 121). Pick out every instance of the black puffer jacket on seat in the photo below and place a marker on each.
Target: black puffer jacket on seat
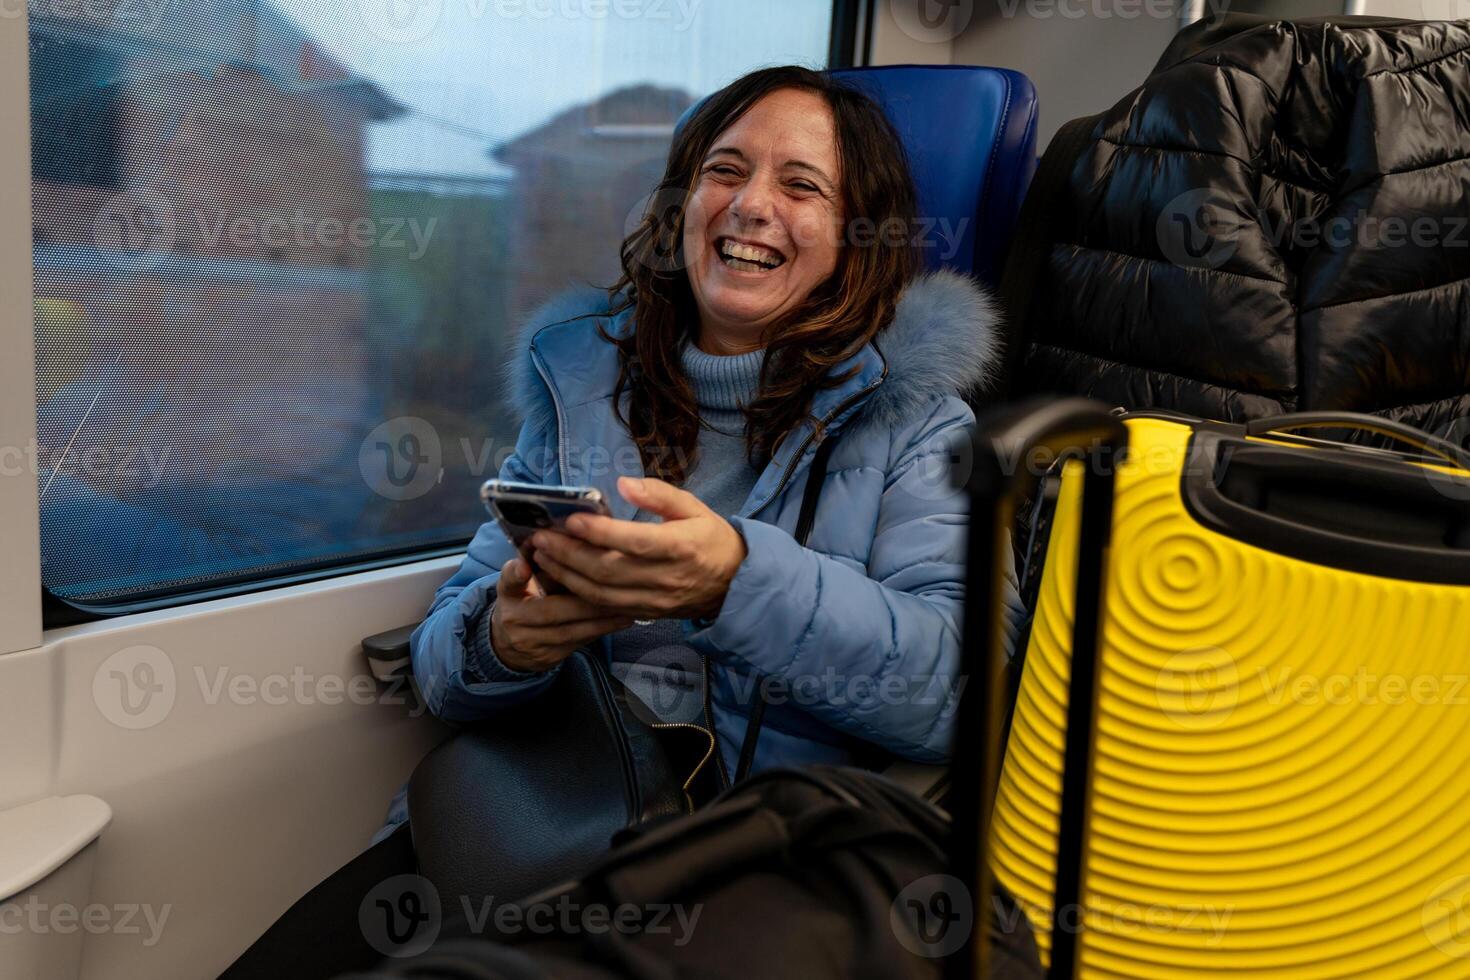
(1275, 220)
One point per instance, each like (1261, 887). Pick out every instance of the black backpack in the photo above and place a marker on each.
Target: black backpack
(817, 872)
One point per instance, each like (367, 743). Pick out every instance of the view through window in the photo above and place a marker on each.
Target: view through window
(281, 247)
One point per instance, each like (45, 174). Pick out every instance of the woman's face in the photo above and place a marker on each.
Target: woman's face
(765, 220)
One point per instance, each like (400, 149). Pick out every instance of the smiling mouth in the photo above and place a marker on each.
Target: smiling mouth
(748, 258)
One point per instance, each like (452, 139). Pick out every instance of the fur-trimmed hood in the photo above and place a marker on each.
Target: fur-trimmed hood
(944, 340)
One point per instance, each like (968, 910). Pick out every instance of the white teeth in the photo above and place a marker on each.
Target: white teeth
(750, 253)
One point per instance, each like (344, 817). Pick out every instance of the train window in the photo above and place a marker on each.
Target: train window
(280, 247)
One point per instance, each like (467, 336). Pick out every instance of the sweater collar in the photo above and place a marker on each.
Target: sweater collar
(722, 383)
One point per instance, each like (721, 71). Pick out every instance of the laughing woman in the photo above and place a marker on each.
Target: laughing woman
(752, 324)
(776, 311)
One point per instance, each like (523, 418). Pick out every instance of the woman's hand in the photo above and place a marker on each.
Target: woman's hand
(679, 569)
(533, 632)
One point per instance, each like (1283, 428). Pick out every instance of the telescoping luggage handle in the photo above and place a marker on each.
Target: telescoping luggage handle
(1010, 449)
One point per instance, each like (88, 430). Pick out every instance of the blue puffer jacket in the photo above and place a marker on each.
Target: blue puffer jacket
(856, 639)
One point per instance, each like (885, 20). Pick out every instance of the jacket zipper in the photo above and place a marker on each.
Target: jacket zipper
(561, 449)
(561, 423)
(846, 403)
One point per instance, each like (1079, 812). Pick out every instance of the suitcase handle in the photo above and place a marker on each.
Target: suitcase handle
(1365, 512)
(1003, 441)
(1423, 441)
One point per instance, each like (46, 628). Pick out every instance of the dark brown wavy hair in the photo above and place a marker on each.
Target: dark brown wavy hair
(837, 318)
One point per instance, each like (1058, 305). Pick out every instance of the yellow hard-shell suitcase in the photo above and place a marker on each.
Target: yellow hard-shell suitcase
(1276, 772)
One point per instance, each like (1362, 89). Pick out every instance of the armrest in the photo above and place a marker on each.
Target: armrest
(387, 653)
(39, 837)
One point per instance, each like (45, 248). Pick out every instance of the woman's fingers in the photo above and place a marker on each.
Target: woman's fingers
(540, 648)
(635, 538)
(515, 579)
(598, 564)
(631, 600)
(557, 610)
(657, 497)
(591, 629)
(565, 637)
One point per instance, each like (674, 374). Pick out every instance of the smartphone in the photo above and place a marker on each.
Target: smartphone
(522, 509)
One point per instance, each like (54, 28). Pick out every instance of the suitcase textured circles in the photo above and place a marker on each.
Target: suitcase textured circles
(1282, 762)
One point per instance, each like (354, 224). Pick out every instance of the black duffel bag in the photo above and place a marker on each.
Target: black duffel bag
(818, 872)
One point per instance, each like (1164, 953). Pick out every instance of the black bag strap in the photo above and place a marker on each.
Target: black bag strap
(1036, 230)
(807, 516)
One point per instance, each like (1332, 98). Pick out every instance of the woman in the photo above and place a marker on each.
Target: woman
(777, 306)
(749, 324)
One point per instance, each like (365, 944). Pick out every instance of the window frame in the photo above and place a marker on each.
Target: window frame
(26, 606)
(20, 520)
(850, 42)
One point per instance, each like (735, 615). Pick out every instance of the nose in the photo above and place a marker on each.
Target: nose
(755, 202)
